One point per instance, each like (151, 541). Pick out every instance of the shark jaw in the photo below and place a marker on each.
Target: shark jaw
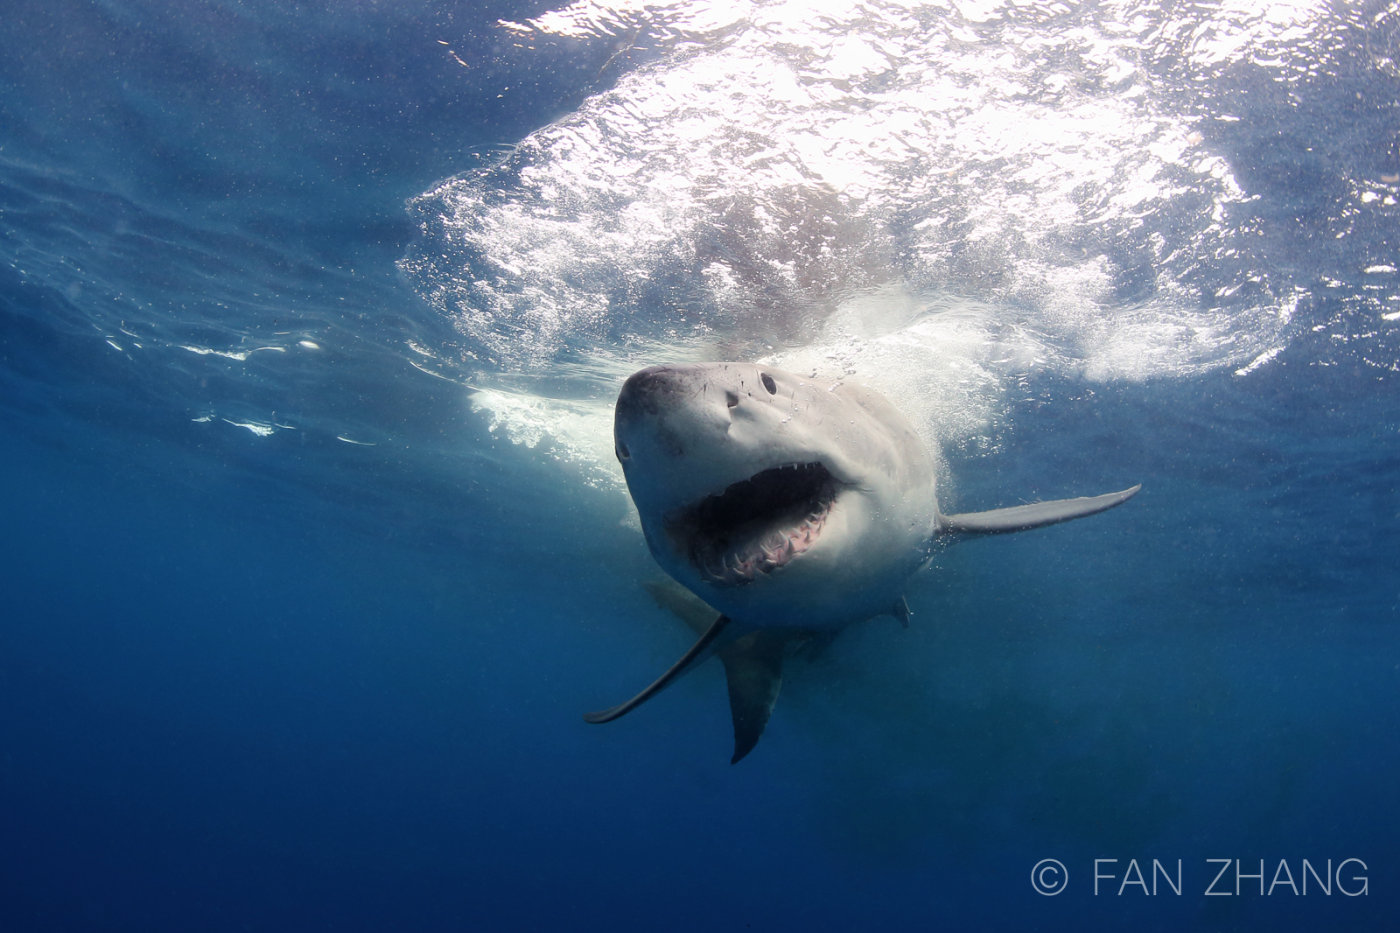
(756, 526)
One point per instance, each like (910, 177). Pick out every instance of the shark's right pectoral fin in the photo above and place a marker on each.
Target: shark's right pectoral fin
(1035, 515)
(696, 653)
(753, 666)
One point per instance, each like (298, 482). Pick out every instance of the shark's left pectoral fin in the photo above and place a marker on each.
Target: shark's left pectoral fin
(1035, 515)
(696, 653)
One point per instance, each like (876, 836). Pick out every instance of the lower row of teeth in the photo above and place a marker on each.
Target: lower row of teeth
(775, 551)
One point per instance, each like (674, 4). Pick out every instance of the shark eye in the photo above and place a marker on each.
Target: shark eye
(768, 383)
(623, 454)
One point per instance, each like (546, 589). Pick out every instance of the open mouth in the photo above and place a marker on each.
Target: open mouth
(757, 525)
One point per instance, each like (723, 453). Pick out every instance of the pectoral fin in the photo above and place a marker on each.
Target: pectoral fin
(753, 667)
(1035, 515)
(696, 653)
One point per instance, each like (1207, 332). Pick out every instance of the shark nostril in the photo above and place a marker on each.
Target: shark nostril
(623, 454)
(731, 398)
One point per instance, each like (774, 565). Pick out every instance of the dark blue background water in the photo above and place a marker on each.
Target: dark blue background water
(292, 683)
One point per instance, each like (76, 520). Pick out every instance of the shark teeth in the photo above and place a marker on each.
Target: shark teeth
(756, 526)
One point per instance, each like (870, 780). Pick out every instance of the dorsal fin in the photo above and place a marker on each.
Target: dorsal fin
(1035, 515)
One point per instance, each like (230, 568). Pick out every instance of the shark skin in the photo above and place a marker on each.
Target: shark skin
(791, 507)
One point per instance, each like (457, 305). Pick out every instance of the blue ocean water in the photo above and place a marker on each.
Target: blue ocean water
(314, 553)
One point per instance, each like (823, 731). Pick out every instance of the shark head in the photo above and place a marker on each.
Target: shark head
(779, 500)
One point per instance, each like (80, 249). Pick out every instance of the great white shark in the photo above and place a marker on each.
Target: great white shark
(793, 507)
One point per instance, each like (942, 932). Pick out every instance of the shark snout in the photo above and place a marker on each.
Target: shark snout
(646, 391)
(670, 408)
(712, 388)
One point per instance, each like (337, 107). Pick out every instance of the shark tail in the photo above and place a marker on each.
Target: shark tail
(753, 666)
